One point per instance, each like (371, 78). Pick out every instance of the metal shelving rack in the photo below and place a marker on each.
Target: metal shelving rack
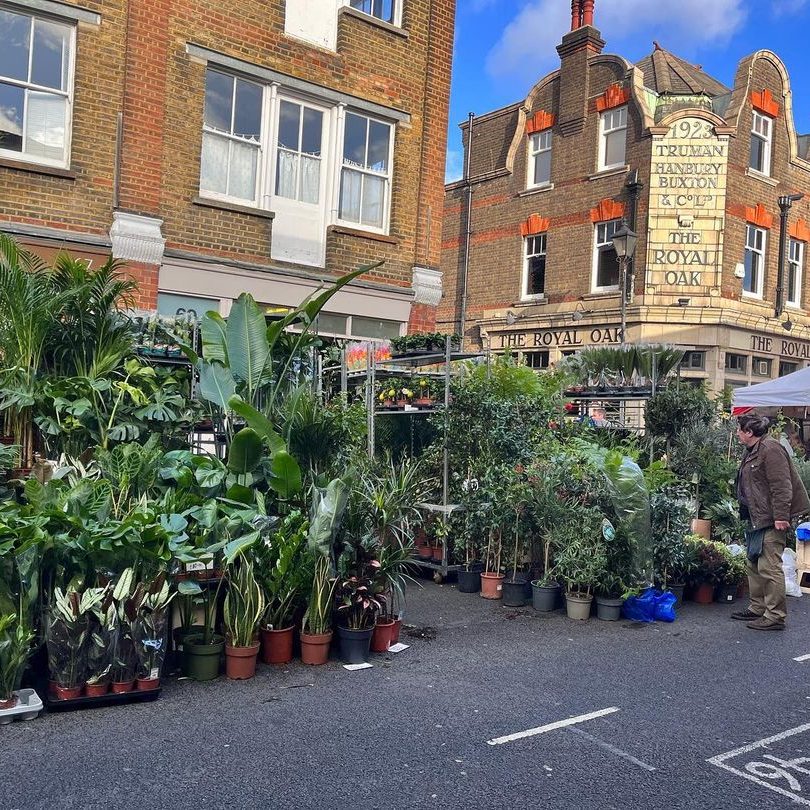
(402, 366)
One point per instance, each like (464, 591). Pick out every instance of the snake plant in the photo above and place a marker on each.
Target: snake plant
(244, 603)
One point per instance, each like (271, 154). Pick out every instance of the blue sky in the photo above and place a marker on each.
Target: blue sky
(503, 47)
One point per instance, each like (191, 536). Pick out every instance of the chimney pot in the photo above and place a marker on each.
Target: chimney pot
(576, 14)
(587, 12)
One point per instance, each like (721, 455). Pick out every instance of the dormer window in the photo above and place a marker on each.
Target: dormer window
(761, 132)
(612, 138)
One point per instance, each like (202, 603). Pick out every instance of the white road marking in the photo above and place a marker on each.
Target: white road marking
(612, 748)
(803, 658)
(719, 761)
(519, 735)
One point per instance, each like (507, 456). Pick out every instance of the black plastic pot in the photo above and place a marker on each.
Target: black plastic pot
(202, 660)
(354, 645)
(677, 589)
(514, 593)
(725, 593)
(609, 610)
(544, 597)
(469, 581)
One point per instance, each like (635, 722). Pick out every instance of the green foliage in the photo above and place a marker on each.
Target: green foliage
(15, 647)
(244, 602)
(727, 527)
(677, 406)
(671, 518)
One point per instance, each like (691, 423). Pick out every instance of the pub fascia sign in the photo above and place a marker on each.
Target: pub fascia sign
(780, 346)
(687, 205)
(558, 338)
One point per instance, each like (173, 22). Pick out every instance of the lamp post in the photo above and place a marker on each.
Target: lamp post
(785, 203)
(624, 243)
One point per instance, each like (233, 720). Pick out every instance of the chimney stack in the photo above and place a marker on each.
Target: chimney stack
(577, 46)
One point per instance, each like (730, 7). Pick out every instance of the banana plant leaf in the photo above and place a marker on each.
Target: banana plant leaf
(217, 384)
(247, 345)
(285, 474)
(245, 451)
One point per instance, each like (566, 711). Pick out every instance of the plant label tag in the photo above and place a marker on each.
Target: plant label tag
(154, 673)
(398, 647)
(353, 667)
(195, 566)
(500, 587)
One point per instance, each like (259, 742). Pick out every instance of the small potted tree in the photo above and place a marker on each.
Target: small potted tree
(423, 399)
(581, 563)
(736, 573)
(244, 608)
(491, 577)
(711, 568)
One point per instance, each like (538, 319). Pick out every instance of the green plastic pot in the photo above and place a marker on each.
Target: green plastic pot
(203, 660)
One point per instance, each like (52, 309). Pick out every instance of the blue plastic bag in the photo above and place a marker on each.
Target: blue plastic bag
(640, 608)
(650, 606)
(665, 606)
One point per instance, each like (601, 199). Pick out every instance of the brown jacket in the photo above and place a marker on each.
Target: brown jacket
(770, 485)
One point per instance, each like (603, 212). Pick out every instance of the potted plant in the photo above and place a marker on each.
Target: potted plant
(514, 589)
(491, 577)
(203, 650)
(316, 626)
(101, 647)
(66, 631)
(404, 396)
(673, 556)
(609, 600)
(15, 647)
(726, 525)
(737, 572)
(244, 608)
(150, 631)
(390, 581)
(582, 561)
(711, 568)
(358, 606)
(423, 398)
(125, 595)
(441, 531)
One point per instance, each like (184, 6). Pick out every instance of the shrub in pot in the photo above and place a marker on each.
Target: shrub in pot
(67, 625)
(15, 647)
(582, 561)
(150, 631)
(358, 607)
(202, 651)
(609, 600)
(736, 574)
(243, 609)
(390, 580)
(491, 577)
(713, 562)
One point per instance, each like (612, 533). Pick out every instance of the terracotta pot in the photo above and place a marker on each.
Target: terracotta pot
(67, 692)
(277, 646)
(437, 553)
(704, 594)
(315, 648)
(492, 585)
(96, 689)
(702, 527)
(423, 402)
(8, 704)
(240, 662)
(402, 403)
(395, 631)
(147, 684)
(381, 637)
(425, 552)
(121, 687)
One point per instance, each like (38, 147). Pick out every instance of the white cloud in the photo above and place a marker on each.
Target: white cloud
(454, 166)
(526, 48)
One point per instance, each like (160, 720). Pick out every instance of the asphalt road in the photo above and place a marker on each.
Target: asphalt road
(413, 731)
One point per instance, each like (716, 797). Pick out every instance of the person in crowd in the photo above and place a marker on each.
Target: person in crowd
(771, 494)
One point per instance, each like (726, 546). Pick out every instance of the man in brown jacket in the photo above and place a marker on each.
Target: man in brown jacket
(770, 493)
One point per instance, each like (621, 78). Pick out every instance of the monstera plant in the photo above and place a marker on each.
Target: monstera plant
(243, 371)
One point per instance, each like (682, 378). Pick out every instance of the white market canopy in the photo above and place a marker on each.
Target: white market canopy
(792, 390)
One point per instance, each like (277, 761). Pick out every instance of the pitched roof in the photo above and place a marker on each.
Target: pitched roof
(666, 73)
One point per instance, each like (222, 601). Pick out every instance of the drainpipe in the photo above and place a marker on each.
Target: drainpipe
(785, 202)
(468, 233)
(633, 186)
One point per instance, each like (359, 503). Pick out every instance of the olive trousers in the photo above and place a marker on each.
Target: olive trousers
(766, 579)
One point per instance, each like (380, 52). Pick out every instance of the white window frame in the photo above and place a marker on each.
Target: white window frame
(396, 16)
(262, 159)
(525, 295)
(751, 232)
(616, 223)
(762, 130)
(607, 126)
(388, 176)
(540, 143)
(28, 86)
(796, 263)
(331, 155)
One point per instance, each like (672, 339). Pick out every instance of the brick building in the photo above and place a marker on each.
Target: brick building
(263, 147)
(696, 169)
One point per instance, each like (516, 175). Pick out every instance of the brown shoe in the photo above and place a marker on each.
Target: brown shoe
(765, 624)
(745, 615)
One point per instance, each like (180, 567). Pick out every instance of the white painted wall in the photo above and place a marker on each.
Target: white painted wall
(313, 21)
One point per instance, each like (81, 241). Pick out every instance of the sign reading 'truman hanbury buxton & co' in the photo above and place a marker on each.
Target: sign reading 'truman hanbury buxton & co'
(687, 206)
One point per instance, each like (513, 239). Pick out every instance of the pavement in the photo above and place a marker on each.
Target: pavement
(664, 716)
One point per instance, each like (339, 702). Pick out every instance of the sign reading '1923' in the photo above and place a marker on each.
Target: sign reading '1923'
(687, 205)
(558, 338)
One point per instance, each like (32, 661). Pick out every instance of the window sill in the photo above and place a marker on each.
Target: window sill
(610, 172)
(536, 190)
(37, 168)
(608, 292)
(751, 296)
(374, 237)
(764, 178)
(529, 300)
(223, 205)
(371, 20)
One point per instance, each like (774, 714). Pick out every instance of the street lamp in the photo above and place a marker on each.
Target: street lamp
(624, 243)
(785, 202)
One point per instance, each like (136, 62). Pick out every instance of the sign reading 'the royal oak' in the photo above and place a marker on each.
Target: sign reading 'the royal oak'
(687, 206)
